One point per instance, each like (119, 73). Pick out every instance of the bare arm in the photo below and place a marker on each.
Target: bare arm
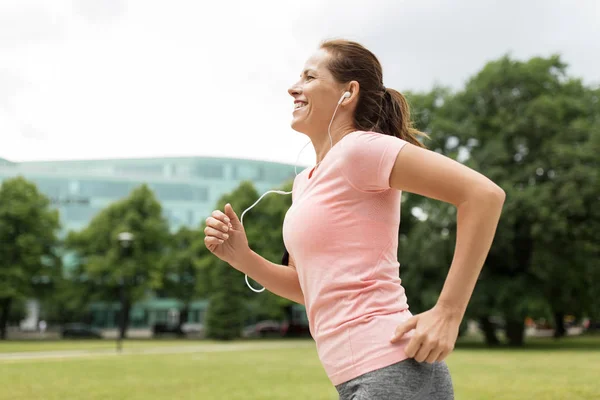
(279, 279)
(478, 201)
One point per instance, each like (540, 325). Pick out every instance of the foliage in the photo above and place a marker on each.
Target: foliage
(28, 234)
(104, 263)
(534, 131)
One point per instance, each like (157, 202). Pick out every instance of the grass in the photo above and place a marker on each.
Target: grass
(17, 346)
(543, 370)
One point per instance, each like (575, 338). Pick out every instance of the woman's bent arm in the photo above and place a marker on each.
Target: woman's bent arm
(479, 204)
(279, 279)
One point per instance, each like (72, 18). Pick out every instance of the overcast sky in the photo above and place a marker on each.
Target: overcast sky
(88, 79)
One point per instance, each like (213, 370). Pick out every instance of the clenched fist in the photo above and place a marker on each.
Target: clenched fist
(225, 236)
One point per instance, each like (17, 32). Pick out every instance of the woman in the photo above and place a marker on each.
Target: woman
(342, 232)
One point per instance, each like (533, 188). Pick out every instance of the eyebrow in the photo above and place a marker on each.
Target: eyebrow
(306, 71)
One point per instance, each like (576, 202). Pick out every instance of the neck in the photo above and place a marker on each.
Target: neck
(323, 144)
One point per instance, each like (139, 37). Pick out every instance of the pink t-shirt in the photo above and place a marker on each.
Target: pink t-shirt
(342, 231)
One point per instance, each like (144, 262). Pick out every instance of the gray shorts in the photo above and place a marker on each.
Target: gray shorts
(405, 380)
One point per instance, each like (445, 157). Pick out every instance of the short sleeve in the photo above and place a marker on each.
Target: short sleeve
(296, 184)
(368, 159)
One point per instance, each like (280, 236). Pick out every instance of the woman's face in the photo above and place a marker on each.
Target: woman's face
(315, 95)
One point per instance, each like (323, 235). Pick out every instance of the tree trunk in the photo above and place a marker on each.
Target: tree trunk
(559, 325)
(124, 321)
(5, 310)
(515, 332)
(183, 316)
(489, 331)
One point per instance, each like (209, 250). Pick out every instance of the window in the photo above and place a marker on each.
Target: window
(248, 173)
(140, 169)
(73, 187)
(179, 192)
(53, 188)
(161, 316)
(106, 189)
(79, 213)
(209, 171)
(279, 174)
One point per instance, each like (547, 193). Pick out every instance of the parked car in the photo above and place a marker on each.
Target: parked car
(80, 331)
(295, 329)
(161, 328)
(266, 328)
(193, 329)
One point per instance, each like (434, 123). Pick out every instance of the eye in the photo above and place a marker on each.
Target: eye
(309, 77)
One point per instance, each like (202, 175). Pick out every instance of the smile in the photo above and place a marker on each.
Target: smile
(299, 105)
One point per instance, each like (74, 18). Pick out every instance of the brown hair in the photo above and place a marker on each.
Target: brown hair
(379, 109)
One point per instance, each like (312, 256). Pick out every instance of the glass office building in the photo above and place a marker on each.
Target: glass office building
(188, 188)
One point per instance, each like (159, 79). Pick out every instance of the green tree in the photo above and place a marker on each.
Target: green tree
(106, 267)
(28, 233)
(66, 300)
(265, 236)
(182, 275)
(226, 311)
(428, 228)
(533, 130)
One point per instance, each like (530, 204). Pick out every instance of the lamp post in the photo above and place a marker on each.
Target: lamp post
(125, 240)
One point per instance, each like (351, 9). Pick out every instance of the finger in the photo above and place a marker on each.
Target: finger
(404, 328)
(220, 215)
(445, 353)
(424, 351)
(212, 222)
(208, 231)
(434, 354)
(212, 241)
(232, 216)
(413, 346)
(442, 356)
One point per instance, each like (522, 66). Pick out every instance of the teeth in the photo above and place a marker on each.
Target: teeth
(299, 105)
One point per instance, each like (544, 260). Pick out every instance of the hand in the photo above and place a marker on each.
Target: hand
(435, 334)
(225, 236)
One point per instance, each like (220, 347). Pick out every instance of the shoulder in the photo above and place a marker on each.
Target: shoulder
(361, 145)
(367, 159)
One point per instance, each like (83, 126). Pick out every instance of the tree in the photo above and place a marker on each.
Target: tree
(231, 302)
(226, 311)
(533, 130)
(104, 266)
(28, 233)
(182, 274)
(66, 300)
(265, 236)
(428, 228)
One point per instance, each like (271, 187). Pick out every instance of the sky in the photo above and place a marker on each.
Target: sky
(98, 79)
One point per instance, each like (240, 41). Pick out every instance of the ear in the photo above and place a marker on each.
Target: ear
(354, 89)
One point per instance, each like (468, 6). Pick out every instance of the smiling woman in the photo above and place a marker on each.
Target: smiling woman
(341, 232)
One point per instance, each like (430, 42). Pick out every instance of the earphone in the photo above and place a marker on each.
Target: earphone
(344, 96)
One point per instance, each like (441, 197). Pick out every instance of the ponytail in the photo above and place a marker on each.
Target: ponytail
(394, 118)
(378, 109)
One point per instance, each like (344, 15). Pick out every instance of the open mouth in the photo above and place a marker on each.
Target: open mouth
(299, 104)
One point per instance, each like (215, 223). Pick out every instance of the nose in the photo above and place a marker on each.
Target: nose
(294, 90)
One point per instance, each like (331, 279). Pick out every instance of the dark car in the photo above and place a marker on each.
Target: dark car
(266, 328)
(295, 329)
(80, 331)
(161, 329)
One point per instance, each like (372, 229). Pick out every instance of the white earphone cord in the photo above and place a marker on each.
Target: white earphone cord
(345, 95)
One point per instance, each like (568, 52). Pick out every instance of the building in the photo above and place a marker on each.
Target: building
(188, 189)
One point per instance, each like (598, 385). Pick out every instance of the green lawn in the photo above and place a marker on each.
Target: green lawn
(543, 370)
(92, 345)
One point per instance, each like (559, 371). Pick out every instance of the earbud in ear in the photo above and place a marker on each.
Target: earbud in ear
(344, 96)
